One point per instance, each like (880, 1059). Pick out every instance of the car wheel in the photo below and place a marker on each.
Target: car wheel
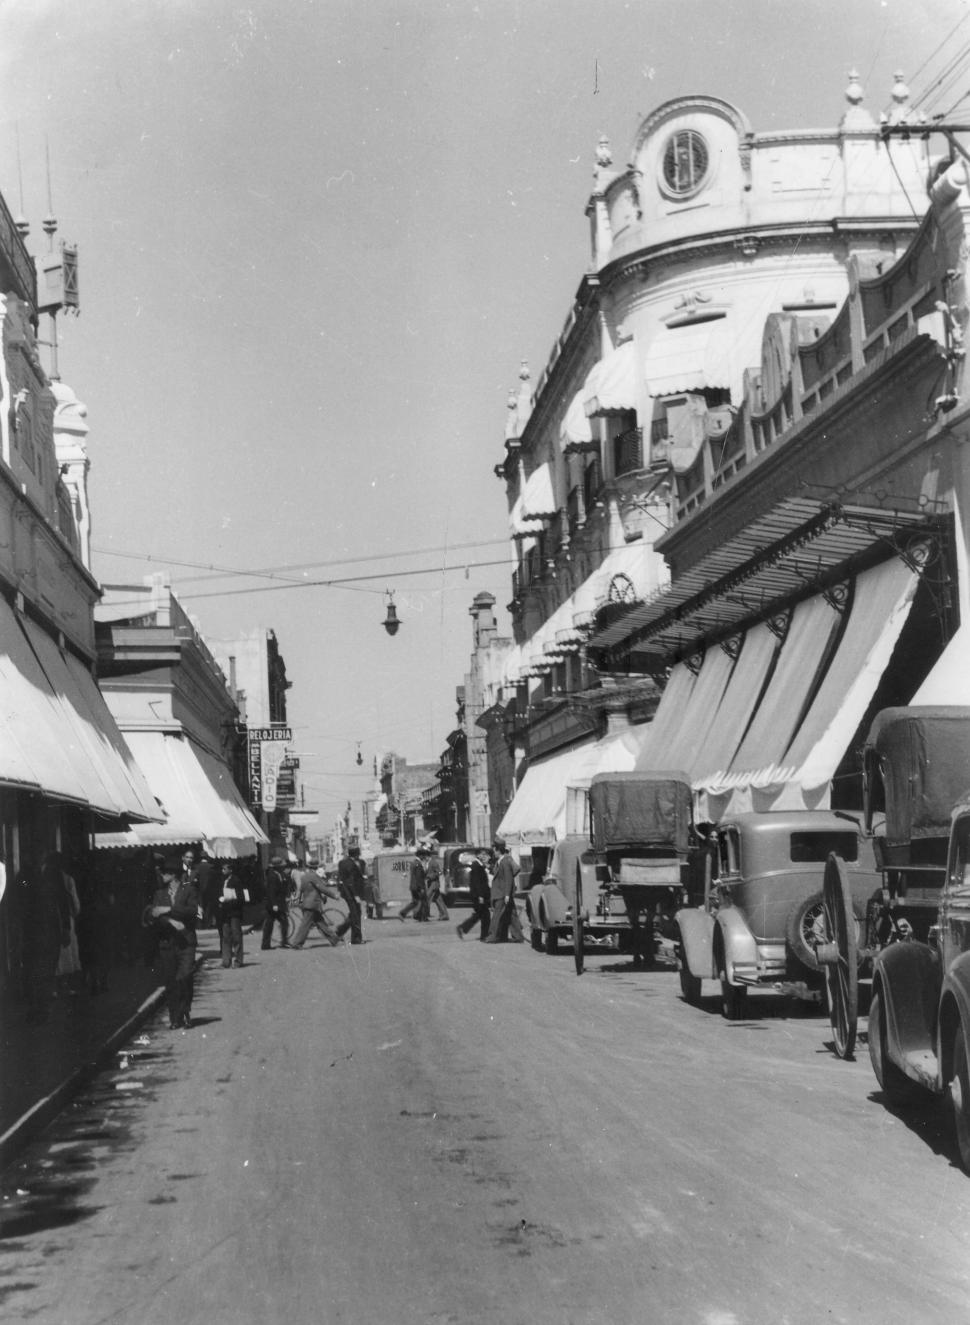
(897, 1087)
(690, 985)
(960, 1096)
(552, 943)
(535, 938)
(734, 1000)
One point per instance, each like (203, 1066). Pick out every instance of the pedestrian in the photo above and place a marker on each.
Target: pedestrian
(310, 895)
(174, 914)
(44, 912)
(69, 961)
(504, 925)
(479, 888)
(432, 876)
(275, 889)
(350, 885)
(209, 881)
(417, 886)
(229, 910)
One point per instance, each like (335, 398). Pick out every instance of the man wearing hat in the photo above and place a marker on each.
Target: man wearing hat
(312, 891)
(504, 924)
(275, 888)
(350, 885)
(173, 915)
(418, 886)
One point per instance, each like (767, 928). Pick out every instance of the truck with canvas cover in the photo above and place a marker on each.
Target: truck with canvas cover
(642, 832)
(391, 877)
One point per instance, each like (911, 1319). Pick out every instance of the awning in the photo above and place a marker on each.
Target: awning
(949, 681)
(58, 737)
(611, 386)
(690, 358)
(662, 731)
(684, 747)
(535, 506)
(575, 434)
(537, 814)
(197, 793)
(97, 744)
(881, 603)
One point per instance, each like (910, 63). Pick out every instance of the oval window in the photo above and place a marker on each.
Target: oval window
(685, 163)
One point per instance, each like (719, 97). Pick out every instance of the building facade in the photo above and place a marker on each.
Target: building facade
(715, 254)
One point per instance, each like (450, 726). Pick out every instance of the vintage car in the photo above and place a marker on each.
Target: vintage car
(919, 1011)
(758, 923)
(456, 859)
(551, 903)
(646, 850)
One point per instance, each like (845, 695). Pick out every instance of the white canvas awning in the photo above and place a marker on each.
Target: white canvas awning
(611, 386)
(689, 358)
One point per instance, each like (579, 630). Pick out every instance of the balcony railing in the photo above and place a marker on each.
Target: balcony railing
(14, 256)
(628, 451)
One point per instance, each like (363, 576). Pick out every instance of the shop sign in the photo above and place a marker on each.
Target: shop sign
(267, 751)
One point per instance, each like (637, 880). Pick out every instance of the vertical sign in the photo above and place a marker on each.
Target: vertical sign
(267, 750)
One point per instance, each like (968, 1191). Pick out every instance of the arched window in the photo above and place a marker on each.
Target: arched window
(685, 163)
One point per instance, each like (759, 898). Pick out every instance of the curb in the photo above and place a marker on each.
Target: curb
(41, 1114)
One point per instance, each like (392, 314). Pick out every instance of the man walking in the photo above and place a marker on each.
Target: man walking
(230, 906)
(432, 878)
(350, 885)
(479, 889)
(504, 925)
(275, 889)
(418, 887)
(312, 891)
(175, 909)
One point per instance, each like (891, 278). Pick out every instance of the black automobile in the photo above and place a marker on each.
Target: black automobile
(456, 859)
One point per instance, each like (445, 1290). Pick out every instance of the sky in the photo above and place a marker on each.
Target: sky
(316, 240)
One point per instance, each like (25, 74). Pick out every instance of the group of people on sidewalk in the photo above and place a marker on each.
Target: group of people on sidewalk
(493, 899)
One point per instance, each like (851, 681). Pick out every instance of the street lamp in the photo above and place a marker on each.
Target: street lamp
(390, 622)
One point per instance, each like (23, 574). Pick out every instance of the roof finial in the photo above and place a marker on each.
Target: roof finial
(901, 108)
(854, 92)
(50, 220)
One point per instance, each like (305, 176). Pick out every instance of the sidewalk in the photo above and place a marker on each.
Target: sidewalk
(42, 1067)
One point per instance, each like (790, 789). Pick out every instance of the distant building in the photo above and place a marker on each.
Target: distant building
(170, 698)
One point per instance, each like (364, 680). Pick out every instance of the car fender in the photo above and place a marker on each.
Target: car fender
(908, 977)
(954, 1003)
(736, 939)
(696, 929)
(554, 905)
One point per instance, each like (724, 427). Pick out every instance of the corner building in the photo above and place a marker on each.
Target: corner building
(740, 293)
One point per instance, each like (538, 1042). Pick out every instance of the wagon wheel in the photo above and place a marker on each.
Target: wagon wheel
(578, 923)
(839, 958)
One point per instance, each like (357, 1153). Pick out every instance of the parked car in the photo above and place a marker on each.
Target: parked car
(551, 904)
(759, 921)
(919, 1012)
(456, 859)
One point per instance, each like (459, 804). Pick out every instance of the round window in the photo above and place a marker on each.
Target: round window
(685, 163)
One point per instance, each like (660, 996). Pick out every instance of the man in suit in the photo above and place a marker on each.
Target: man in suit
(504, 925)
(478, 886)
(350, 885)
(275, 887)
(174, 913)
(312, 891)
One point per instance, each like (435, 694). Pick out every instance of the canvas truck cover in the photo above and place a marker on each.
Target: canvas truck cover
(392, 874)
(630, 810)
(921, 757)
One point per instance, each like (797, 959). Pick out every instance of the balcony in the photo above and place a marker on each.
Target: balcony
(628, 451)
(16, 265)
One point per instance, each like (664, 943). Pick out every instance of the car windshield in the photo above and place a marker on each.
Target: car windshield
(816, 847)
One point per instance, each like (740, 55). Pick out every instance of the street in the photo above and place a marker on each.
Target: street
(426, 1130)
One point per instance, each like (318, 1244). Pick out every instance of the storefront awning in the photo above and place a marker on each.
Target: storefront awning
(684, 745)
(57, 736)
(611, 386)
(97, 743)
(576, 434)
(690, 358)
(199, 798)
(535, 506)
(949, 681)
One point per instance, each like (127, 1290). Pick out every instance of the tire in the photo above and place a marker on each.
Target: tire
(896, 1086)
(551, 943)
(959, 1093)
(690, 985)
(536, 938)
(734, 1000)
(804, 925)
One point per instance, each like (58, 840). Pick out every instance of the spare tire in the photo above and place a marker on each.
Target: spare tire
(805, 927)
